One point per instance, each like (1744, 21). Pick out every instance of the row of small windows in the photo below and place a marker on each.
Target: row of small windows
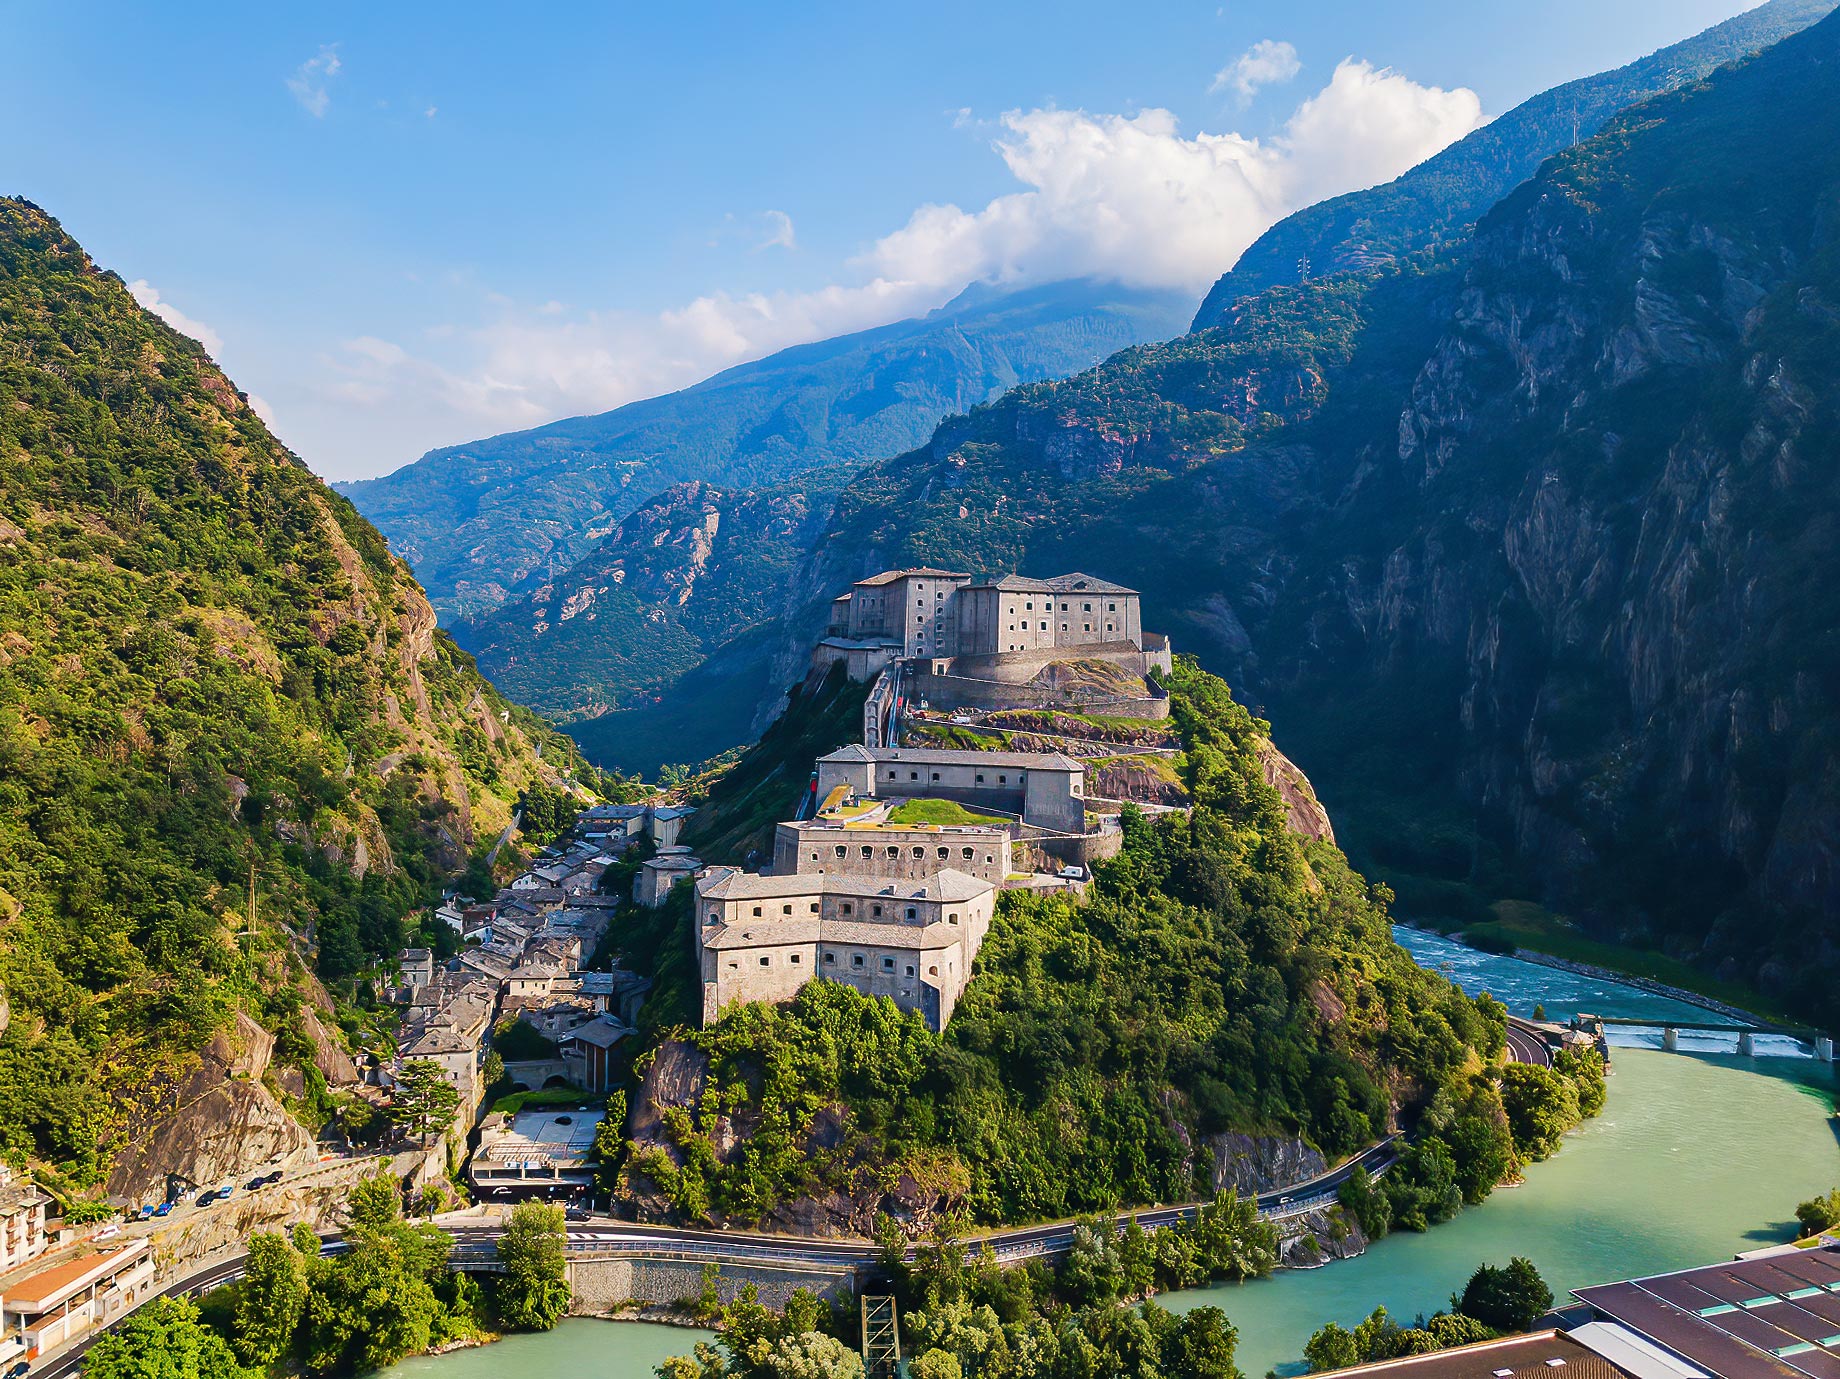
(915, 775)
(848, 907)
(868, 853)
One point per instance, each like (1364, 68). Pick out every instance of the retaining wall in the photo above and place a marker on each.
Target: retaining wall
(601, 1285)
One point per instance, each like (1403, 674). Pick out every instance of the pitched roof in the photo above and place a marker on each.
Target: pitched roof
(948, 885)
(1079, 583)
(918, 572)
(600, 1032)
(1015, 584)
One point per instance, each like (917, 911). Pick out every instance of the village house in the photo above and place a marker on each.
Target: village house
(22, 1220)
(45, 1310)
(761, 938)
(656, 877)
(587, 1053)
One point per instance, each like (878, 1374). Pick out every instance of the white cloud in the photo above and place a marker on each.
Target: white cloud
(259, 405)
(1125, 198)
(779, 231)
(148, 296)
(1265, 63)
(310, 80)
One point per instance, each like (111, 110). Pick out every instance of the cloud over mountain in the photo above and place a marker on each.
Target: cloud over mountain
(1130, 198)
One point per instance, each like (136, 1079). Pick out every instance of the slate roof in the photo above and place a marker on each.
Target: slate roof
(919, 572)
(947, 885)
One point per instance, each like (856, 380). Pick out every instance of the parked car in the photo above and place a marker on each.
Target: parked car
(226, 1192)
(19, 1370)
(108, 1232)
(164, 1209)
(260, 1180)
(1073, 873)
(146, 1210)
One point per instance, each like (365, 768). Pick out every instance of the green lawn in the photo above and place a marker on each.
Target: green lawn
(548, 1096)
(939, 812)
(1530, 926)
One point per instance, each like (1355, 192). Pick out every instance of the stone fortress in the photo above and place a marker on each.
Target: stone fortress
(887, 880)
(1010, 642)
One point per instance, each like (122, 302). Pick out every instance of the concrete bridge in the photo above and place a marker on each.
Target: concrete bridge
(1818, 1044)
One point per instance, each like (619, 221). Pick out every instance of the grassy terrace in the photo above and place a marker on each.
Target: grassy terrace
(939, 812)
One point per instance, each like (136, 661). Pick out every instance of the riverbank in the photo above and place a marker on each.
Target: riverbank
(1537, 933)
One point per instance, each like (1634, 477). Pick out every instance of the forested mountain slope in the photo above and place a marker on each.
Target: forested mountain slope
(234, 749)
(1527, 541)
(1443, 196)
(484, 521)
(695, 568)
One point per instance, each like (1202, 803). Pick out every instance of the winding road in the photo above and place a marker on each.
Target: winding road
(475, 1240)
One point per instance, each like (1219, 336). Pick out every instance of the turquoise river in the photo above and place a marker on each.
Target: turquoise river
(1696, 1156)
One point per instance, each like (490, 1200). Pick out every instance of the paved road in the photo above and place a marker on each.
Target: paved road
(1526, 1046)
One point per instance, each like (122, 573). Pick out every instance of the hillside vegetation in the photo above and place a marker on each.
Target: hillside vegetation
(234, 750)
(1223, 975)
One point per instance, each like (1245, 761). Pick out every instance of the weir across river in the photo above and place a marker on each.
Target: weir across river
(1756, 1039)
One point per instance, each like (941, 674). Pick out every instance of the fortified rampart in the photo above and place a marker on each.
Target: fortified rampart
(824, 847)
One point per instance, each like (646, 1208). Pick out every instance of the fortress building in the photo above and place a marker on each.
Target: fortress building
(761, 938)
(1045, 789)
(905, 852)
(1072, 641)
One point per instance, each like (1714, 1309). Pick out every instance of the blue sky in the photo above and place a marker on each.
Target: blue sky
(403, 225)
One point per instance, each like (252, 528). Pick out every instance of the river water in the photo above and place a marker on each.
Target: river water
(1696, 1156)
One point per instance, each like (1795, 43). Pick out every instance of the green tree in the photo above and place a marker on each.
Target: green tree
(1541, 1105)
(374, 1202)
(1818, 1214)
(1202, 1346)
(1331, 1347)
(1585, 1067)
(1508, 1299)
(423, 1101)
(163, 1340)
(610, 1142)
(533, 1292)
(270, 1300)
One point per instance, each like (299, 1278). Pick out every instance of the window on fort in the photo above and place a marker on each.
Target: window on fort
(1108, 627)
(1086, 608)
(876, 910)
(894, 852)
(968, 854)
(887, 964)
(785, 909)
(933, 971)
(856, 960)
(1063, 627)
(757, 912)
(814, 907)
(831, 958)
(910, 969)
(766, 962)
(892, 773)
(913, 775)
(912, 913)
(734, 967)
(944, 853)
(841, 850)
(794, 959)
(1111, 608)
(1044, 627)
(951, 919)
(1002, 780)
(919, 853)
(848, 907)
(980, 779)
(868, 853)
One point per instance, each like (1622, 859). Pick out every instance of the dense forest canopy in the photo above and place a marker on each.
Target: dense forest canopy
(232, 743)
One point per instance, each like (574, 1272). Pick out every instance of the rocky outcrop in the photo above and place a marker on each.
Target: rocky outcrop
(211, 1123)
(864, 1184)
(1251, 1164)
(1302, 810)
(1320, 1237)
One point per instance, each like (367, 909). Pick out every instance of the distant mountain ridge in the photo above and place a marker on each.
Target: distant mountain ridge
(1447, 193)
(485, 521)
